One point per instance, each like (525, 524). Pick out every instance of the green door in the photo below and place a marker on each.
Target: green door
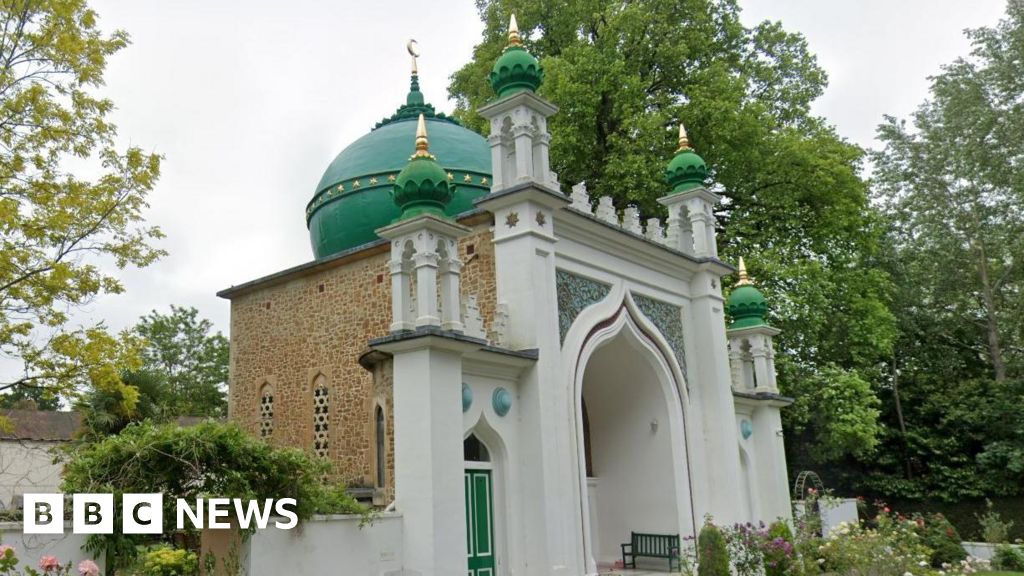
(479, 523)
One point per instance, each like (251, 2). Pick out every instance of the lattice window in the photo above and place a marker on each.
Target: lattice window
(321, 416)
(266, 412)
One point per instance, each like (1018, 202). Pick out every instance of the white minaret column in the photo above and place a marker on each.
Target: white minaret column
(753, 356)
(427, 350)
(401, 297)
(523, 203)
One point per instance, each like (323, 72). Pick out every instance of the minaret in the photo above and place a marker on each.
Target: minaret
(524, 201)
(752, 356)
(691, 219)
(426, 346)
(751, 351)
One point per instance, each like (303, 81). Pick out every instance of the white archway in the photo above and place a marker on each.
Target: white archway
(636, 399)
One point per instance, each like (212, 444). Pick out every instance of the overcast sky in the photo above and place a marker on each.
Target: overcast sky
(249, 101)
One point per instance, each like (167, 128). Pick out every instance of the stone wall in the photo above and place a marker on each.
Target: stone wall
(291, 332)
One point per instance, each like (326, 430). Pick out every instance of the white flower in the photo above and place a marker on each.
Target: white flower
(907, 574)
(822, 561)
(922, 563)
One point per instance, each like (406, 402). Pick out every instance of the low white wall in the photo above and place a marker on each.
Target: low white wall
(29, 548)
(834, 511)
(983, 550)
(327, 545)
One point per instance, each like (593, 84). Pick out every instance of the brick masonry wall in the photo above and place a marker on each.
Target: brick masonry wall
(290, 332)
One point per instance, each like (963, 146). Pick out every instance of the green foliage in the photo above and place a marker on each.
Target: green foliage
(712, 554)
(994, 529)
(28, 397)
(955, 187)
(167, 561)
(938, 534)
(1009, 558)
(207, 460)
(54, 225)
(192, 361)
(625, 74)
(778, 550)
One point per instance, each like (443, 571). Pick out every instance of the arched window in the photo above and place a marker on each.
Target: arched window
(321, 417)
(266, 411)
(381, 452)
(473, 450)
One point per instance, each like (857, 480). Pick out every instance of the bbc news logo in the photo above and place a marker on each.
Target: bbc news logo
(144, 513)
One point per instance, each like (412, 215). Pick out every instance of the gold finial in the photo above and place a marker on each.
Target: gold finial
(422, 146)
(744, 279)
(513, 33)
(414, 52)
(684, 142)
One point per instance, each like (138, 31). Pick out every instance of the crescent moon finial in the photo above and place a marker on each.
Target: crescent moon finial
(413, 50)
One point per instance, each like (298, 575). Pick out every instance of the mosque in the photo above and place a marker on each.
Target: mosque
(527, 376)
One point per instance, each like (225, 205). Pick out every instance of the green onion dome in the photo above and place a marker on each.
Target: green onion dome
(687, 170)
(422, 187)
(354, 196)
(746, 304)
(516, 69)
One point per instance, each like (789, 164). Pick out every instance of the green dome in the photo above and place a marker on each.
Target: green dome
(746, 304)
(516, 70)
(422, 187)
(686, 170)
(354, 196)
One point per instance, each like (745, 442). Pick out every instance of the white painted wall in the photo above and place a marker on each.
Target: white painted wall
(632, 462)
(29, 548)
(27, 466)
(327, 545)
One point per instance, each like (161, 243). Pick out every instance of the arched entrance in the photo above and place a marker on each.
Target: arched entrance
(481, 557)
(632, 442)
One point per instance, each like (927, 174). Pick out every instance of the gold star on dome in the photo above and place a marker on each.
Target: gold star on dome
(467, 178)
(391, 177)
(341, 187)
(356, 184)
(483, 181)
(373, 181)
(451, 176)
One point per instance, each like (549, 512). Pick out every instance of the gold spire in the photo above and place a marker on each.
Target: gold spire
(684, 142)
(513, 33)
(422, 145)
(744, 279)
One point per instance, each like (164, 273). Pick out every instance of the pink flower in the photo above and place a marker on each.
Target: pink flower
(3, 550)
(88, 568)
(48, 563)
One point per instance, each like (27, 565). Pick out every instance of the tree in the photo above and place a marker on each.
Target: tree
(951, 181)
(625, 74)
(57, 228)
(954, 184)
(208, 460)
(191, 363)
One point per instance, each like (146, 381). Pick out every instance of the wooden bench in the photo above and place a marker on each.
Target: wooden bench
(650, 546)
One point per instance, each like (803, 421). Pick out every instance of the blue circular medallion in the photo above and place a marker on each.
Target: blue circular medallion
(467, 396)
(502, 401)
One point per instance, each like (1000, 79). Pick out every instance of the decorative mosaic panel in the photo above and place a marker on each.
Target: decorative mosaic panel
(574, 294)
(321, 416)
(669, 320)
(266, 414)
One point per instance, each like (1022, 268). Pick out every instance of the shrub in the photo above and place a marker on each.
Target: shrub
(713, 557)
(994, 529)
(940, 535)
(1008, 558)
(167, 561)
(778, 551)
